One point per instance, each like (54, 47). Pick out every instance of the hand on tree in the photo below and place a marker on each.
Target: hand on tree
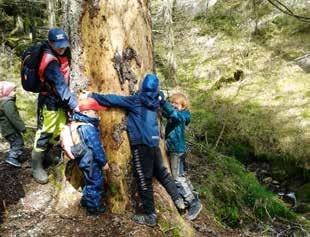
(84, 95)
(161, 97)
(106, 167)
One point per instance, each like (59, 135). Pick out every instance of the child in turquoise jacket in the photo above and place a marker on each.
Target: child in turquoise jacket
(178, 117)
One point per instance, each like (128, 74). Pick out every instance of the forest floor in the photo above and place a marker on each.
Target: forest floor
(30, 209)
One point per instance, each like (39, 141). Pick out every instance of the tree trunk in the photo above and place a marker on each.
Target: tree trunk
(19, 26)
(168, 22)
(97, 30)
(51, 13)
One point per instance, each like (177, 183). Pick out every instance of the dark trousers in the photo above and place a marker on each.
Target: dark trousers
(16, 145)
(148, 163)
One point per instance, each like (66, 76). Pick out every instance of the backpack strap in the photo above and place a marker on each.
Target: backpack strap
(75, 136)
(47, 58)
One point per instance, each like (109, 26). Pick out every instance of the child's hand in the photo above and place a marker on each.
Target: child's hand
(106, 167)
(84, 95)
(161, 97)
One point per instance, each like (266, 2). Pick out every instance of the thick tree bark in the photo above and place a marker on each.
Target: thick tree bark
(97, 30)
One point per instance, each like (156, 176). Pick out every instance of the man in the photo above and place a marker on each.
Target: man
(54, 100)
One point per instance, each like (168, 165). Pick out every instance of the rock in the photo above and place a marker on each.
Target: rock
(267, 180)
(264, 172)
(304, 62)
(275, 182)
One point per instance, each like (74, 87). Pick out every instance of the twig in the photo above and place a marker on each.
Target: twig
(4, 207)
(268, 214)
(220, 136)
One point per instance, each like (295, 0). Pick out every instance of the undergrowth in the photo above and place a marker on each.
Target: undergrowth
(234, 195)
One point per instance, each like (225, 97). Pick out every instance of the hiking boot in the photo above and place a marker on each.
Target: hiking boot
(95, 210)
(194, 210)
(144, 219)
(179, 203)
(38, 173)
(14, 162)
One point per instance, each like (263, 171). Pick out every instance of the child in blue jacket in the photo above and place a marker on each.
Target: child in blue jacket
(142, 128)
(89, 155)
(177, 115)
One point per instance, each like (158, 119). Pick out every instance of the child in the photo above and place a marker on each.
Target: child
(178, 117)
(143, 132)
(11, 125)
(88, 153)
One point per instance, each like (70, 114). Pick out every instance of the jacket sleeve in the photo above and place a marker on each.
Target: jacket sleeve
(12, 114)
(92, 140)
(176, 116)
(54, 76)
(124, 102)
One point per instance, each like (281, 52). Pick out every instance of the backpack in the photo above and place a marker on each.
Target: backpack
(70, 137)
(30, 63)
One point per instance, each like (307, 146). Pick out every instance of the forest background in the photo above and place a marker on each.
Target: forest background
(245, 67)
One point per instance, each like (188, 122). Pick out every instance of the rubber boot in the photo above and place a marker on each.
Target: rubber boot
(38, 173)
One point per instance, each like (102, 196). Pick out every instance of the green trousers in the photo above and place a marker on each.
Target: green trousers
(50, 123)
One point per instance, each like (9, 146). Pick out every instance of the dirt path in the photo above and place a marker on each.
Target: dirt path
(29, 209)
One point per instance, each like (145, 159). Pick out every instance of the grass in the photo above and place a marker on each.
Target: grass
(234, 195)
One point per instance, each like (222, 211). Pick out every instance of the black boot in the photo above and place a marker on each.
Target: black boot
(145, 219)
(38, 173)
(16, 149)
(13, 161)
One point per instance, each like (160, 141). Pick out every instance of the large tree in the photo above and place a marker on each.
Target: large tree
(111, 52)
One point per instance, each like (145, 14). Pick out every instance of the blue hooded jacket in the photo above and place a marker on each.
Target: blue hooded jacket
(142, 107)
(175, 128)
(90, 136)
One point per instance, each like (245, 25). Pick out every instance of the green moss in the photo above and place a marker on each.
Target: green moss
(113, 188)
(232, 193)
(166, 227)
(305, 114)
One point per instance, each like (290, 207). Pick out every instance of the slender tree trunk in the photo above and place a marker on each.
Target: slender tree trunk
(51, 13)
(19, 26)
(168, 22)
(97, 30)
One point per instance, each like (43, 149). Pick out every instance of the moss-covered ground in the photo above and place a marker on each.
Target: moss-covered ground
(249, 102)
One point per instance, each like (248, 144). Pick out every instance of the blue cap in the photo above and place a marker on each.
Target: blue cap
(150, 83)
(58, 38)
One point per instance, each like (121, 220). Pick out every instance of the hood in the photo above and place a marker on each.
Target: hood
(7, 89)
(86, 119)
(150, 83)
(150, 100)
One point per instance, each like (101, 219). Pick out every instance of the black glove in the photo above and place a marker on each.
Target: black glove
(161, 97)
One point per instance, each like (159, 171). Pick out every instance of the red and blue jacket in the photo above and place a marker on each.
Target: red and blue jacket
(54, 70)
